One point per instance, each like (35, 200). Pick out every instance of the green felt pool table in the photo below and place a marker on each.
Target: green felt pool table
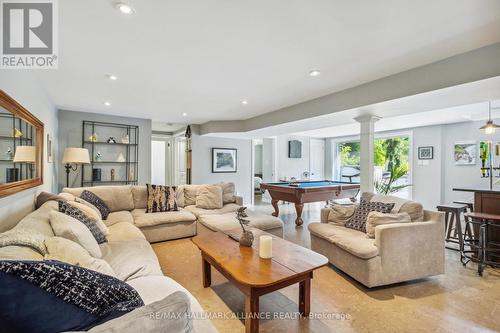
(301, 192)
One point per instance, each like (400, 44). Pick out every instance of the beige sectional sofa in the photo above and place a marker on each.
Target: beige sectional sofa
(400, 251)
(128, 203)
(127, 251)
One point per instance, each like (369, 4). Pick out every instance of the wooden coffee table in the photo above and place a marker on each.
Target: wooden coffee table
(254, 276)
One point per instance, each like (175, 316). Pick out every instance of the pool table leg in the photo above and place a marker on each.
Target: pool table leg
(276, 212)
(298, 208)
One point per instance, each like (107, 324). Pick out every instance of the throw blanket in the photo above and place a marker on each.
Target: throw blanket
(398, 202)
(22, 237)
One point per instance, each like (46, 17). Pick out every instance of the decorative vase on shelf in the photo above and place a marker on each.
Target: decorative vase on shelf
(111, 140)
(93, 137)
(113, 174)
(126, 139)
(9, 153)
(121, 158)
(17, 133)
(98, 157)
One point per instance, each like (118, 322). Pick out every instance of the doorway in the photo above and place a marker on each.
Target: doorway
(161, 159)
(317, 159)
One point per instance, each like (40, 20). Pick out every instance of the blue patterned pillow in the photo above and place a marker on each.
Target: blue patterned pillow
(51, 296)
(78, 214)
(97, 202)
(358, 219)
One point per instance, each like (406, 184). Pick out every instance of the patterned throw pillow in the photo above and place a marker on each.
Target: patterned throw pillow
(78, 214)
(97, 202)
(358, 220)
(161, 199)
(51, 296)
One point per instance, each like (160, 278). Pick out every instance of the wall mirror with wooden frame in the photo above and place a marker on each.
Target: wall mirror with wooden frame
(21, 147)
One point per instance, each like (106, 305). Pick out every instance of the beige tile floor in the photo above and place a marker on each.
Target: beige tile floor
(459, 301)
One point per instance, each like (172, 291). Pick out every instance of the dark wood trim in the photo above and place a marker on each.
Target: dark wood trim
(18, 110)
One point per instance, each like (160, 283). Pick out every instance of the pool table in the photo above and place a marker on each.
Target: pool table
(301, 192)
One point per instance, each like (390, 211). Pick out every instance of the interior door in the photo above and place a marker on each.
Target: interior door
(317, 159)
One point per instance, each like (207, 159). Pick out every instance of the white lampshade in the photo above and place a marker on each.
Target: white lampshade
(76, 156)
(25, 154)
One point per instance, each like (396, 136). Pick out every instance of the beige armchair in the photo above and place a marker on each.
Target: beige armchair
(400, 251)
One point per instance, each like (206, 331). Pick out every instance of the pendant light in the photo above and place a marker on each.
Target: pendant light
(490, 126)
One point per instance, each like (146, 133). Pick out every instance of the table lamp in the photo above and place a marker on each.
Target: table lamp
(26, 154)
(72, 157)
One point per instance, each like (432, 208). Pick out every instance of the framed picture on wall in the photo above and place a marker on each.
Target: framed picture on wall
(224, 160)
(465, 153)
(425, 153)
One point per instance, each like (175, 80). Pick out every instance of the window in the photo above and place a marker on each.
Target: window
(391, 163)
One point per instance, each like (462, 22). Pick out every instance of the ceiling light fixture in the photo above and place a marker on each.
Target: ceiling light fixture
(112, 77)
(124, 8)
(244, 102)
(107, 103)
(490, 126)
(184, 114)
(314, 72)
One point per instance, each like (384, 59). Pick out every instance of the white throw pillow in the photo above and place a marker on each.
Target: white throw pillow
(70, 228)
(375, 218)
(228, 192)
(93, 214)
(340, 214)
(209, 197)
(67, 251)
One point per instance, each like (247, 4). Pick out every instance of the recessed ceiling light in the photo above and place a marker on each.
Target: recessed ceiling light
(107, 103)
(244, 102)
(184, 114)
(112, 77)
(124, 8)
(314, 72)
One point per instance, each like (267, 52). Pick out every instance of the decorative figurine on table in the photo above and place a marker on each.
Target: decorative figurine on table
(93, 137)
(246, 238)
(121, 158)
(9, 153)
(111, 140)
(17, 133)
(112, 174)
(126, 139)
(98, 157)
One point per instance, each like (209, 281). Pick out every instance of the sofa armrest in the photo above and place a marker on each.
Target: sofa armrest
(413, 246)
(238, 200)
(324, 214)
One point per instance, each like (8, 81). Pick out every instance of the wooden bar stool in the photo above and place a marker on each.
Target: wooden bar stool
(453, 223)
(485, 249)
(468, 228)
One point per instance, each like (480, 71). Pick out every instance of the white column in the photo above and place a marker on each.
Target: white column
(367, 159)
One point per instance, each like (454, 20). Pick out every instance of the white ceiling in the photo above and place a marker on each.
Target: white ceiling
(204, 57)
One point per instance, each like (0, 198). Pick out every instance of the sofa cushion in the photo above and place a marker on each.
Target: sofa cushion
(67, 227)
(19, 253)
(131, 258)
(119, 216)
(116, 197)
(190, 192)
(62, 249)
(340, 214)
(140, 195)
(169, 314)
(413, 208)
(43, 197)
(124, 231)
(94, 214)
(154, 288)
(228, 192)
(97, 202)
(355, 242)
(35, 297)
(38, 221)
(209, 197)
(76, 213)
(375, 219)
(24, 238)
(161, 199)
(358, 220)
(229, 208)
(228, 221)
(143, 219)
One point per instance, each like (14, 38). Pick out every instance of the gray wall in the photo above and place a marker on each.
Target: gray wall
(257, 165)
(70, 135)
(202, 163)
(291, 167)
(24, 88)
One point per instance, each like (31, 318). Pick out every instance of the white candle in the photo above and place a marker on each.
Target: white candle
(265, 247)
